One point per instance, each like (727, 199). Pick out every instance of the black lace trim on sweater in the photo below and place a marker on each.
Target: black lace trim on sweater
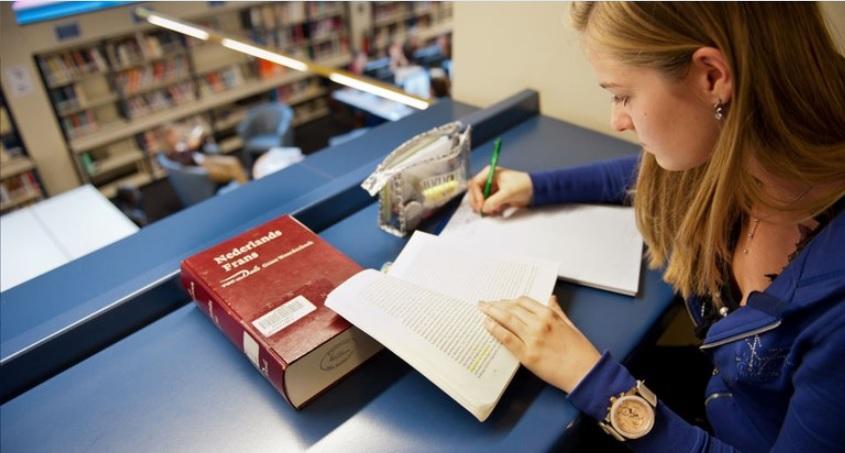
(730, 293)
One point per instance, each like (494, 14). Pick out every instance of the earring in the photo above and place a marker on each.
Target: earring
(720, 110)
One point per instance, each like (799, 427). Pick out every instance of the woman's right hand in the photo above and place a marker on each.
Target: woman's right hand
(510, 188)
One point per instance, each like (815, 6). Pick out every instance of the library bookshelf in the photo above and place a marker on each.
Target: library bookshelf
(114, 96)
(395, 21)
(20, 184)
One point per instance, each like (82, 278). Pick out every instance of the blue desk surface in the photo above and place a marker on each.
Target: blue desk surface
(178, 384)
(88, 286)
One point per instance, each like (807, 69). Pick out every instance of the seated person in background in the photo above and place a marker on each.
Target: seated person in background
(412, 44)
(184, 144)
(397, 56)
(440, 85)
(130, 201)
(359, 62)
(445, 46)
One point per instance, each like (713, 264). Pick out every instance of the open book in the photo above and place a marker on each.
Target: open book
(425, 311)
(594, 245)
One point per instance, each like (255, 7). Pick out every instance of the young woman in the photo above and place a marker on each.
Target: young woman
(739, 195)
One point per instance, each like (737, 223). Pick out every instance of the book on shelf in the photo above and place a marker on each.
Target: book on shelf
(132, 80)
(140, 48)
(293, 12)
(18, 187)
(80, 123)
(254, 18)
(325, 28)
(70, 66)
(265, 289)
(88, 164)
(67, 66)
(153, 48)
(5, 127)
(166, 42)
(268, 16)
(320, 9)
(67, 97)
(128, 53)
(297, 36)
(390, 12)
(223, 79)
(79, 60)
(162, 99)
(268, 70)
(328, 49)
(425, 311)
(98, 59)
(5, 197)
(232, 76)
(289, 91)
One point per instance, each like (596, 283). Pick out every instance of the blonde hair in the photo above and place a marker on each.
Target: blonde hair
(787, 111)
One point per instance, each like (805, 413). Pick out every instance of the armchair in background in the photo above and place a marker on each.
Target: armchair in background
(266, 126)
(192, 184)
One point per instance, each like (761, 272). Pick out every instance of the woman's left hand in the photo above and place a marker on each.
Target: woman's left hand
(543, 339)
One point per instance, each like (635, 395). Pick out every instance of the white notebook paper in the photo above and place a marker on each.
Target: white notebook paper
(594, 245)
(425, 311)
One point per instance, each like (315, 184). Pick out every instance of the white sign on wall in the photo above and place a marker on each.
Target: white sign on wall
(19, 80)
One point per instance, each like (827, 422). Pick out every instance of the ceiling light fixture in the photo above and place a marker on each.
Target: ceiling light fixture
(341, 77)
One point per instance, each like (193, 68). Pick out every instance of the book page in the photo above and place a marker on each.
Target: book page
(451, 266)
(452, 326)
(419, 326)
(594, 245)
(426, 312)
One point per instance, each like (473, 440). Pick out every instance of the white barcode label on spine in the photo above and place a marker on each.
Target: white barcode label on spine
(283, 315)
(251, 349)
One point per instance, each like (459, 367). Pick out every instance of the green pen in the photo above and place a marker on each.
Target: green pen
(494, 160)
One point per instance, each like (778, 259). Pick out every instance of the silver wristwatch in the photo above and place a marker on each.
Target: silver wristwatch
(631, 413)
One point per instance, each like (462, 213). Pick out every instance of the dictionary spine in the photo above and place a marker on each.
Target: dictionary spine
(234, 328)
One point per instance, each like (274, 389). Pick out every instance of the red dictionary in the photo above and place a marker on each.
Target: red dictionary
(265, 290)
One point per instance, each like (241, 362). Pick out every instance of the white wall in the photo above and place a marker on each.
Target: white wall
(500, 48)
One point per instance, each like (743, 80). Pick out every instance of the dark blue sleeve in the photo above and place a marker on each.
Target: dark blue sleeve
(813, 419)
(670, 433)
(600, 182)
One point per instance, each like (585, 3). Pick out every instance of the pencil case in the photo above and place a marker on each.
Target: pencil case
(420, 176)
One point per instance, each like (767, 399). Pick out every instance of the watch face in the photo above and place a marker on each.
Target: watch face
(632, 416)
